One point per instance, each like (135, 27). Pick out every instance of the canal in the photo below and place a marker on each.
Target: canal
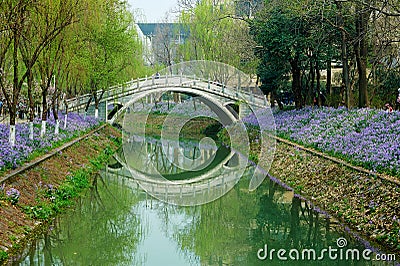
(126, 218)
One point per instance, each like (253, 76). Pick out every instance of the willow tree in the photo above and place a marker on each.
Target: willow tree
(109, 46)
(6, 39)
(64, 78)
(217, 34)
(47, 64)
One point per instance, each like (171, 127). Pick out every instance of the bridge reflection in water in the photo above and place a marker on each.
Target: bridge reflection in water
(181, 173)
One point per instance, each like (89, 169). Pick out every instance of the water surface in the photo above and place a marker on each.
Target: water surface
(117, 223)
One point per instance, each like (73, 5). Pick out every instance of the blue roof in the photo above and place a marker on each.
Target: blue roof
(149, 29)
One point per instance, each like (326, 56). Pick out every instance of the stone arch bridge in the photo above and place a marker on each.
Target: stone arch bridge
(221, 97)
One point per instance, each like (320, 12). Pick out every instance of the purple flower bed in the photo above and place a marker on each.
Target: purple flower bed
(366, 137)
(11, 157)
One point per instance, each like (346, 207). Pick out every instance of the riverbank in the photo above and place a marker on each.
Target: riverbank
(48, 188)
(365, 203)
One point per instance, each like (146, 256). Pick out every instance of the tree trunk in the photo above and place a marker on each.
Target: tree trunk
(329, 78)
(296, 82)
(272, 98)
(54, 108)
(31, 104)
(88, 104)
(13, 104)
(44, 110)
(345, 72)
(177, 97)
(55, 112)
(66, 112)
(361, 50)
(318, 76)
(97, 102)
(311, 92)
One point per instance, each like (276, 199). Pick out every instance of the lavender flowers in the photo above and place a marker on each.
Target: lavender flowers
(11, 157)
(366, 137)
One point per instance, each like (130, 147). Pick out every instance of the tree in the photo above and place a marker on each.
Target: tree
(361, 52)
(247, 8)
(164, 47)
(109, 46)
(15, 12)
(32, 26)
(302, 42)
(280, 33)
(217, 34)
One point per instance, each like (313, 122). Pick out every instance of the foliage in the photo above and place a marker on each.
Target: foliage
(387, 91)
(65, 47)
(303, 38)
(292, 39)
(215, 34)
(109, 47)
(3, 256)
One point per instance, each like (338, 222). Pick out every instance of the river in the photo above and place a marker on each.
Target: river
(116, 222)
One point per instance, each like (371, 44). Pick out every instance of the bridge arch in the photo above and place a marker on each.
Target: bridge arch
(225, 115)
(233, 107)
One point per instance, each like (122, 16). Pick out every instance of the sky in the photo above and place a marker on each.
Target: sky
(153, 10)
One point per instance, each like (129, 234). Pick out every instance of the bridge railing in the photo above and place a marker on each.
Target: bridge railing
(133, 86)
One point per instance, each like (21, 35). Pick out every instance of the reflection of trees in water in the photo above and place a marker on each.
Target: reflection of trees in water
(176, 221)
(230, 230)
(147, 154)
(102, 230)
(294, 225)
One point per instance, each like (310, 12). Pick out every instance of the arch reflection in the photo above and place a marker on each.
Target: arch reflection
(160, 169)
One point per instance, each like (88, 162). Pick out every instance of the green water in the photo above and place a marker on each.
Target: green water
(117, 223)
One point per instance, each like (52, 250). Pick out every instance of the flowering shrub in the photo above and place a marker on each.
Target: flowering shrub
(366, 137)
(13, 195)
(11, 157)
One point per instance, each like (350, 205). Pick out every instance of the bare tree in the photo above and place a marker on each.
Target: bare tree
(164, 43)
